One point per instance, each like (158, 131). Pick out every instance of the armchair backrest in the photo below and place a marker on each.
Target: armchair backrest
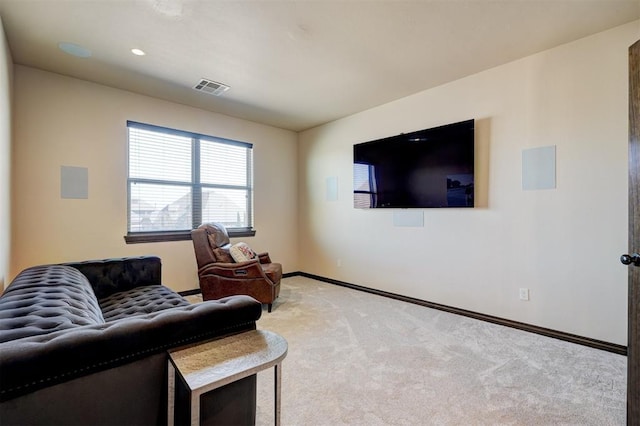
(208, 239)
(217, 234)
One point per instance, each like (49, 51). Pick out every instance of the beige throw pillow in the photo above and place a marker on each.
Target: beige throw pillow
(241, 252)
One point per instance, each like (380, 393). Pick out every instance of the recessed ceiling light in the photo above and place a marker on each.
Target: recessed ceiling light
(138, 52)
(74, 50)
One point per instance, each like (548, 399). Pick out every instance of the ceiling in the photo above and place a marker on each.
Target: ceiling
(294, 64)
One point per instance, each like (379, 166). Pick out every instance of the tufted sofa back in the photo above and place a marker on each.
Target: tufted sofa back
(109, 276)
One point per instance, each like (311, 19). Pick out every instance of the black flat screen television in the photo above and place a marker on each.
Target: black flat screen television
(423, 169)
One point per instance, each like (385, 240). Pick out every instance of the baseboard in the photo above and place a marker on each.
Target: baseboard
(568, 337)
(189, 292)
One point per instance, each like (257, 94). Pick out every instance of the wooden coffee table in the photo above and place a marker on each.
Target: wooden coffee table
(213, 364)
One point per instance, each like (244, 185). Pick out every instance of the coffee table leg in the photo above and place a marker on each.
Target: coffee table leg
(195, 409)
(171, 393)
(278, 379)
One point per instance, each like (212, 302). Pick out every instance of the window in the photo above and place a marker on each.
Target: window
(178, 180)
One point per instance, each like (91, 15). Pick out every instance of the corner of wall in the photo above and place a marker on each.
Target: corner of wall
(6, 84)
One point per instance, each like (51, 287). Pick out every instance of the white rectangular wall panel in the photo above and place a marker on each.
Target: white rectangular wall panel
(74, 182)
(408, 218)
(332, 188)
(539, 168)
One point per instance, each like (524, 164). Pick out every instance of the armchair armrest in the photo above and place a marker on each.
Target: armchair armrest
(264, 257)
(242, 270)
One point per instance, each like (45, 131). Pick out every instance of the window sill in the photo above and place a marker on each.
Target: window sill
(157, 237)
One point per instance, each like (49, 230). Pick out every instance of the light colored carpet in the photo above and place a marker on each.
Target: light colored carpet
(361, 359)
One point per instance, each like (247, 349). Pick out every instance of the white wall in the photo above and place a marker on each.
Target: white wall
(62, 121)
(562, 244)
(6, 72)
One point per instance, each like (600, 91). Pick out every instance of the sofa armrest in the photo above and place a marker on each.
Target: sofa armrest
(109, 276)
(40, 361)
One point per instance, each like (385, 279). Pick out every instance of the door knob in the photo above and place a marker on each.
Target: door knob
(630, 259)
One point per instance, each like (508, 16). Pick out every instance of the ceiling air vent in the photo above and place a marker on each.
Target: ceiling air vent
(211, 87)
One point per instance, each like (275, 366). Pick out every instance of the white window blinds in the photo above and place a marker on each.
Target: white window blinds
(178, 180)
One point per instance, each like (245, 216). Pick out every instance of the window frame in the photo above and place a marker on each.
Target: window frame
(195, 184)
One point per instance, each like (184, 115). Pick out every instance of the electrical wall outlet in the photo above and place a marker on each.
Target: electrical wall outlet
(339, 263)
(524, 294)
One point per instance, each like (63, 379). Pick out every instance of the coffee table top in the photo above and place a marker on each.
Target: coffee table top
(213, 364)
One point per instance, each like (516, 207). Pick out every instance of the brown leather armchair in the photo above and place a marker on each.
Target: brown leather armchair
(220, 276)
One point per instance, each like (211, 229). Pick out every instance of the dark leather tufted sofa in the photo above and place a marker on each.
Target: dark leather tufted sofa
(85, 343)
